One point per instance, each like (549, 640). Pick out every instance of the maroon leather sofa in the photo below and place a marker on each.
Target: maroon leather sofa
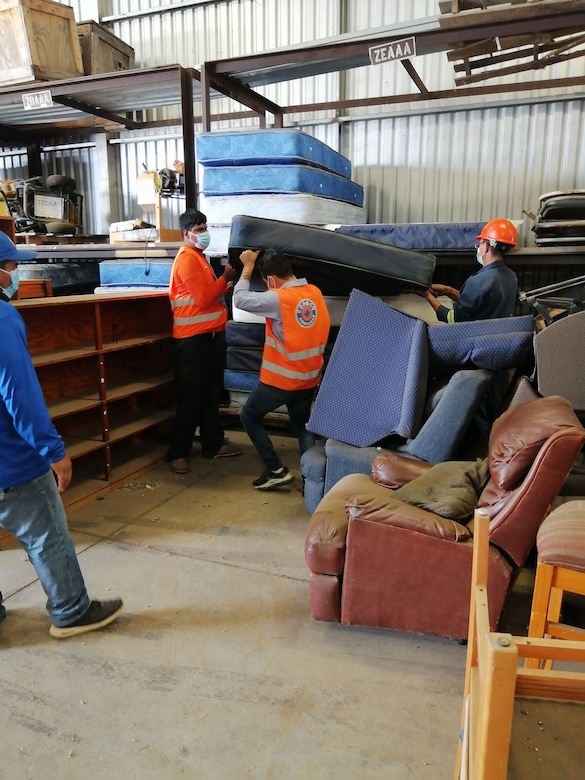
(378, 561)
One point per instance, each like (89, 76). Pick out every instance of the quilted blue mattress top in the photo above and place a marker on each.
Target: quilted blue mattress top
(148, 272)
(421, 236)
(267, 147)
(242, 179)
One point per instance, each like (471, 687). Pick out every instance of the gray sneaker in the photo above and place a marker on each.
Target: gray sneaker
(99, 614)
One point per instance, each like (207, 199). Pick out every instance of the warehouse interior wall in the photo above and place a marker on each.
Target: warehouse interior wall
(465, 160)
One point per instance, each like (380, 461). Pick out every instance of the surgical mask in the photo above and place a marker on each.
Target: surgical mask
(13, 286)
(479, 258)
(203, 240)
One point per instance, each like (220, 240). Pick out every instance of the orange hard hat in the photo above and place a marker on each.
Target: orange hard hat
(501, 230)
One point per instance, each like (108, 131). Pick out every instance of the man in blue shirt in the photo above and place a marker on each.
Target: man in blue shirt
(492, 291)
(34, 470)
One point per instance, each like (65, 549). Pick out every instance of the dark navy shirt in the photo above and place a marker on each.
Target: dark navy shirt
(491, 292)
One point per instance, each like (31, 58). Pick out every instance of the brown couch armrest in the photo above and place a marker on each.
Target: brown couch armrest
(393, 470)
(376, 503)
(325, 538)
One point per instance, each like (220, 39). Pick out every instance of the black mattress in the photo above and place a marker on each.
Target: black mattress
(335, 262)
(561, 219)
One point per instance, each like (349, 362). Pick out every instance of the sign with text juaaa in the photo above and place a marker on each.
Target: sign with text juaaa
(392, 50)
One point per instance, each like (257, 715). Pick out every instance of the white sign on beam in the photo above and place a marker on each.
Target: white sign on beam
(33, 100)
(393, 50)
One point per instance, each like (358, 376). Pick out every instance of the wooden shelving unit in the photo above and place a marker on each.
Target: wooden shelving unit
(104, 364)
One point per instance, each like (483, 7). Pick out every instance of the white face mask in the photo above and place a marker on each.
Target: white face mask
(478, 257)
(13, 286)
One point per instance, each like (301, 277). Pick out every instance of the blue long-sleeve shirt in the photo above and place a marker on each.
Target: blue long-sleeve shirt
(490, 293)
(29, 442)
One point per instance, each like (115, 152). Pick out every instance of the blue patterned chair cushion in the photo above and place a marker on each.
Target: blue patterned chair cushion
(376, 379)
(496, 344)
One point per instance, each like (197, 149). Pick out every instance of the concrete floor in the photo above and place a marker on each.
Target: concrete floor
(215, 669)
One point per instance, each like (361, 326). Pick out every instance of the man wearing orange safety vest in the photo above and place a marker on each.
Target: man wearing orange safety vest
(198, 351)
(297, 329)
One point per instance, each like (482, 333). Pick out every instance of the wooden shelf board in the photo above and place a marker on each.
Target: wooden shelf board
(61, 355)
(141, 423)
(76, 448)
(66, 406)
(139, 341)
(120, 390)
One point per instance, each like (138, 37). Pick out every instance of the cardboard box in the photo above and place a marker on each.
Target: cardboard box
(101, 51)
(148, 235)
(39, 42)
(145, 236)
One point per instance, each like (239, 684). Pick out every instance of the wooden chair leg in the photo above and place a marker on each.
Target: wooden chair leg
(540, 605)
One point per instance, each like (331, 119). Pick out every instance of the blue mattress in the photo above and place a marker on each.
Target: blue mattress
(243, 359)
(244, 334)
(243, 179)
(422, 236)
(147, 273)
(244, 381)
(265, 147)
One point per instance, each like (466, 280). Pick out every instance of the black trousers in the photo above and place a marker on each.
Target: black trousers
(198, 363)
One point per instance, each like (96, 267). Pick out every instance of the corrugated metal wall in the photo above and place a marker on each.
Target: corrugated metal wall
(467, 161)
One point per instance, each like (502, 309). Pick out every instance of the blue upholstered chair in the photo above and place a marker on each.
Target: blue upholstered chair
(393, 382)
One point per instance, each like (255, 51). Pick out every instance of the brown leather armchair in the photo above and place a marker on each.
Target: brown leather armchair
(378, 561)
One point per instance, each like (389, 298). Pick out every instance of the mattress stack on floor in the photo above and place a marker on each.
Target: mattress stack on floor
(244, 346)
(274, 174)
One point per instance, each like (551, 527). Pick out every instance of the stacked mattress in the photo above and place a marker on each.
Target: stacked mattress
(275, 174)
(421, 236)
(244, 347)
(134, 274)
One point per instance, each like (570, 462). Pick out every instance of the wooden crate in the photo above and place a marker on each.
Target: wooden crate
(101, 51)
(39, 42)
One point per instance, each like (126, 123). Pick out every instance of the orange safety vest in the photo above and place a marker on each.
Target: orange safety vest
(296, 362)
(189, 318)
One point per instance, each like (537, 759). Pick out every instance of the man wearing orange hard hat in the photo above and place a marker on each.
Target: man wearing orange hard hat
(492, 291)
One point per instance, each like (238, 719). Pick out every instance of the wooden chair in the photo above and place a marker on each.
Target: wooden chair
(560, 569)
(35, 288)
(493, 677)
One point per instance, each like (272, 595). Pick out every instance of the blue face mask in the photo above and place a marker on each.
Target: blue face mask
(203, 240)
(479, 258)
(13, 286)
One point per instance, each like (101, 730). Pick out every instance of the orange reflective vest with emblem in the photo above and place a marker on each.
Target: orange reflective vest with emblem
(201, 312)
(296, 362)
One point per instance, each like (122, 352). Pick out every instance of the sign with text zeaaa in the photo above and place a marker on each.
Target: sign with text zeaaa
(33, 100)
(393, 50)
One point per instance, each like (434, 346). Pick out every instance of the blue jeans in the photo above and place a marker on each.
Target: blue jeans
(264, 399)
(33, 513)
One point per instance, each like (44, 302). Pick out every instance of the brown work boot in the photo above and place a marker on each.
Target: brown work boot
(227, 450)
(180, 466)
